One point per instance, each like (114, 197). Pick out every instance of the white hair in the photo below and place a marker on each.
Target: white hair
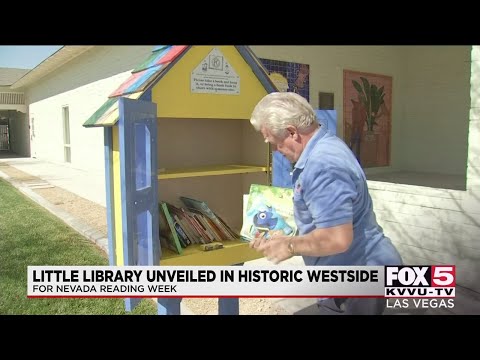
(278, 110)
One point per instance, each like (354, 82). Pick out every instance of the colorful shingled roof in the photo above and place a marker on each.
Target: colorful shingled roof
(142, 77)
(150, 71)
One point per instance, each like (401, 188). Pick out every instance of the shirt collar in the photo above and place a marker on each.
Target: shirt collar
(302, 160)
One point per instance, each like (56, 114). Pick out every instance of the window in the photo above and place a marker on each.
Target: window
(67, 156)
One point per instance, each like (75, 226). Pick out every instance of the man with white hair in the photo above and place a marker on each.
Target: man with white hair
(332, 206)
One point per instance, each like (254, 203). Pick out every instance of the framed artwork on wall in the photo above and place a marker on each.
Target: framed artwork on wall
(367, 119)
(289, 76)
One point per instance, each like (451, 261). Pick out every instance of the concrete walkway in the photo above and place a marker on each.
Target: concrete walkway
(90, 185)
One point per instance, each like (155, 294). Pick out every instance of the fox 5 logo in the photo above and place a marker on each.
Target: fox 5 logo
(420, 276)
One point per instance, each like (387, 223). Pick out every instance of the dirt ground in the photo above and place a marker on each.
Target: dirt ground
(95, 215)
(246, 307)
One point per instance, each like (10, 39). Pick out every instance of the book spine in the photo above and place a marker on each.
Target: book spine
(172, 228)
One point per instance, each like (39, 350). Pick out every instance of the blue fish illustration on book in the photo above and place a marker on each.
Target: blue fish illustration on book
(266, 219)
(268, 212)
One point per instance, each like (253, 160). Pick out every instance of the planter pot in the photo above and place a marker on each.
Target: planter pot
(370, 136)
(369, 149)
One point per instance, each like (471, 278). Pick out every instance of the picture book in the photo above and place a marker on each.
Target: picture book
(169, 238)
(213, 225)
(268, 212)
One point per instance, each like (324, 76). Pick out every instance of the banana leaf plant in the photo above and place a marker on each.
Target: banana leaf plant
(372, 98)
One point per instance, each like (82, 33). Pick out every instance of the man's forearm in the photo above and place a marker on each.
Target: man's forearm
(324, 242)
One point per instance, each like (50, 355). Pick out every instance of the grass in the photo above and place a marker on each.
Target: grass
(30, 235)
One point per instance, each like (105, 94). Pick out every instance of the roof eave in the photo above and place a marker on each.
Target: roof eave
(257, 68)
(53, 62)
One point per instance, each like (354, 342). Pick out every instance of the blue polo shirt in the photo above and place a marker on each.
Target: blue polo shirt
(330, 189)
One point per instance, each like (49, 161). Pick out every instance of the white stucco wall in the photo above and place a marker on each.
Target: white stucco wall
(473, 168)
(437, 102)
(83, 85)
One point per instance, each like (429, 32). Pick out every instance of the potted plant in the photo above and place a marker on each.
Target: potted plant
(372, 98)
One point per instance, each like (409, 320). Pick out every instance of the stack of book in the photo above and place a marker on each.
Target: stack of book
(194, 224)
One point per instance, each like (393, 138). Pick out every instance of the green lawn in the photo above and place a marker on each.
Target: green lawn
(30, 235)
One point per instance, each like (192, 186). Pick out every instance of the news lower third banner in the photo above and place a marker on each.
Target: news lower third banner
(240, 281)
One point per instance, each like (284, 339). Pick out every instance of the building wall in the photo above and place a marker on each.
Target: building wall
(19, 133)
(473, 169)
(431, 226)
(437, 104)
(430, 90)
(326, 75)
(439, 226)
(430, 86)
(83, 85)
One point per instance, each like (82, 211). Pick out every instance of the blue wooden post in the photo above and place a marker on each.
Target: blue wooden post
(229, 306)
(108, 148)
(139, 184)
(169, 306)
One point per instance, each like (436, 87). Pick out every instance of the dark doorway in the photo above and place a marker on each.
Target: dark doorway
(4, 138)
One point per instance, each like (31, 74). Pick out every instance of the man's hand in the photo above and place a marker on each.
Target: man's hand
(274, 249)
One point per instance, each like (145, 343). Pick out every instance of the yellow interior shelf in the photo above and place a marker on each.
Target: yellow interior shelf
(209, 171)
(233, 252)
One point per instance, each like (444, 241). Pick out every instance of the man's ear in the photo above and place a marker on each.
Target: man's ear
(292, 131)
